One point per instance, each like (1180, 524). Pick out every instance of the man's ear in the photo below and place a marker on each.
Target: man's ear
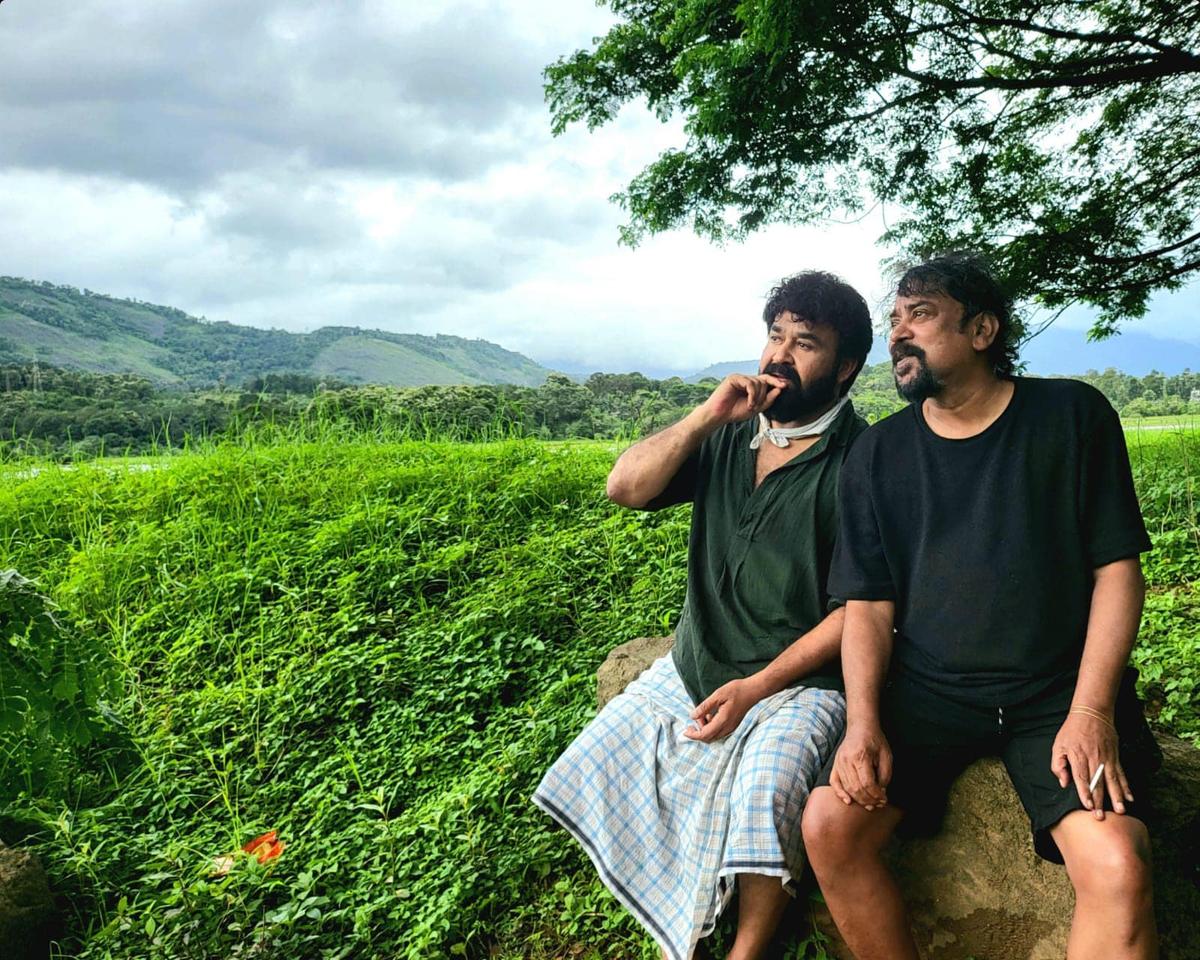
(983, 328)
(846, 369)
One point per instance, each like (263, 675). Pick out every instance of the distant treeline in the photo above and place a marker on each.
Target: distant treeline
(1153, 395)
(68, 414)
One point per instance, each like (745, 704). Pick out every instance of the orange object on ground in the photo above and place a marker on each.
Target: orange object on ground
(265, 848)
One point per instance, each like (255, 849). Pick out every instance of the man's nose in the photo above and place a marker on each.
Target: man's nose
(899, 331)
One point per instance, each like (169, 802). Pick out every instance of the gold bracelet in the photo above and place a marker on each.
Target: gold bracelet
(1093, 713)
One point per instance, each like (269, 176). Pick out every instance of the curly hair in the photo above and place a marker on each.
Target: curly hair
(822, 298)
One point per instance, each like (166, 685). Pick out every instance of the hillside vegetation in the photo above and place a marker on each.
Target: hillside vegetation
(373, 648)
(70, 415)
(78, 329)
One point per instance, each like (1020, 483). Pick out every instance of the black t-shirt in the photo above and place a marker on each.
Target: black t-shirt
(987, 545)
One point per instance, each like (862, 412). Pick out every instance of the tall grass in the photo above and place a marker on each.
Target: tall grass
(1167, 473)
(374, 647)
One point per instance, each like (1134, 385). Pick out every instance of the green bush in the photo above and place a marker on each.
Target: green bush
(375, 650)
(51, 690)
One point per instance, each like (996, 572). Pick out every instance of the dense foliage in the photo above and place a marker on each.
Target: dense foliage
(371, 650)
(374, 649)
(51, 683)
(1059, 135)
(68, 414)
(71, 414)
(1155, 394)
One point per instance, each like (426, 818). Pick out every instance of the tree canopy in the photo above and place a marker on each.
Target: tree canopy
(1062, 137)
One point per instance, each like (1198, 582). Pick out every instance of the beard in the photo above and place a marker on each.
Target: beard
(921, 385)
(798, 402)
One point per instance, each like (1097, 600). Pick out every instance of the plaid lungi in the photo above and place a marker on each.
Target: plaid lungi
(668, 821)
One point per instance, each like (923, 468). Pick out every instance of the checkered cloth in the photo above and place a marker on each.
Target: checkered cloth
(669, 821)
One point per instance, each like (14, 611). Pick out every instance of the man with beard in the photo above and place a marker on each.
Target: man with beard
(693, 780)
(988, 556)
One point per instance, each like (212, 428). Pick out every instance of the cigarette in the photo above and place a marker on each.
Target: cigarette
(1095, 778)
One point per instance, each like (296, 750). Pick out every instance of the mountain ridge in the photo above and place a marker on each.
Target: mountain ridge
(79, 329)
(1061, 351)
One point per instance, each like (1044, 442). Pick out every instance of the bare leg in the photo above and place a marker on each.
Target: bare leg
(1108, 862)
(761, 902)
(845, 845)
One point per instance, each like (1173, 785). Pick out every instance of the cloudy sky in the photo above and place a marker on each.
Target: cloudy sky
(379, 163)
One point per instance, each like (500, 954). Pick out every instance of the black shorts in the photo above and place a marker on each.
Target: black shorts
(934, 738)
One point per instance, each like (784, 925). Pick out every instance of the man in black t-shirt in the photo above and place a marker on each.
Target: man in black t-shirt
(988, 555)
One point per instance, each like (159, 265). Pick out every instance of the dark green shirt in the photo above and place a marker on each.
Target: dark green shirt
(758, 559)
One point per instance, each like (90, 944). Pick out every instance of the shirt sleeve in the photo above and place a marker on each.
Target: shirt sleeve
(681, 488)
(859, 569)
(1109, 513)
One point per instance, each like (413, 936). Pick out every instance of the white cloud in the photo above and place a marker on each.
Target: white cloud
(675, 303)
(296, 165)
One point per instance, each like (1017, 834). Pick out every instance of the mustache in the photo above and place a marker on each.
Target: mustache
(783, 371)
(902, 350)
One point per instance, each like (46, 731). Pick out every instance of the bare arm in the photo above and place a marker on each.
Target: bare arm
(719, 714)
(1113, 620)
(643, 471)
(804, 655)
(866, 651)
(1088, 736)
(863, 765)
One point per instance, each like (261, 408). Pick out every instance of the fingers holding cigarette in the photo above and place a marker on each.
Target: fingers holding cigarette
(1085, 753)
(1096, 792)
(1108, 778)
(1118, 785)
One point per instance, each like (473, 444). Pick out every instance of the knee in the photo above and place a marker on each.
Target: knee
(1115, 868)
(830, 828)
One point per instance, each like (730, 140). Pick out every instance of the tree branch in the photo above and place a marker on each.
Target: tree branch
(1151, 282)
(1059, 33)
(1066, 65)
(1146, 255)
(1111, 78)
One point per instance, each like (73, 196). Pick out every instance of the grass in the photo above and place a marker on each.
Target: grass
(374, 648)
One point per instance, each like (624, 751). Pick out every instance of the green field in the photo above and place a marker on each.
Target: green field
(373, 649)
(1184, 421)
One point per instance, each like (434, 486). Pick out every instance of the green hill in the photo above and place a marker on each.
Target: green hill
(82, 330)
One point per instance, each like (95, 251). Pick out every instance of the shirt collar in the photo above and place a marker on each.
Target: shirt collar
(841, 431)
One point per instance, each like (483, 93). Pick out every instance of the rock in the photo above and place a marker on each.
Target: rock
(977, 889)
(979, 881)
(26, 907)
(624, 664)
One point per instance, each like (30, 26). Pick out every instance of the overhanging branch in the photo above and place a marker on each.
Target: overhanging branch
(1146, 255)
